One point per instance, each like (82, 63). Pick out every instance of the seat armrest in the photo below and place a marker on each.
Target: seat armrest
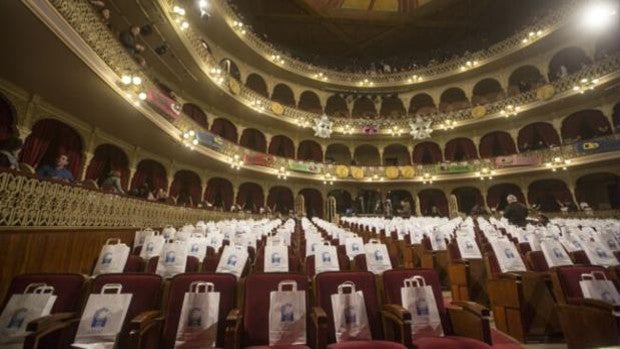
(473, 307)
(319, 316)
(398, 311)
(319, 321)
(143, 320)
(396, 321)
(37, 325)
(595, 303)
(470, 320)
(64, 328)
(232, 338)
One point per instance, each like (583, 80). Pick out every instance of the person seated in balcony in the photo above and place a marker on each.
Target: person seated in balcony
(405, 208)
(160, 195)
(184, 199)
(112, 183)
(515, 212)
(129, 39)
(434, 212)
(57, 171)
(9, 151)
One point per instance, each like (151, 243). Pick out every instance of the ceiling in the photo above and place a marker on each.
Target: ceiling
(335, 31)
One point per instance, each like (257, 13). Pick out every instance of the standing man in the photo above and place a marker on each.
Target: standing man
(515, 212)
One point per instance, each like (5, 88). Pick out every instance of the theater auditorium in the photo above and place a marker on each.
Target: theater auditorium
(310, 174)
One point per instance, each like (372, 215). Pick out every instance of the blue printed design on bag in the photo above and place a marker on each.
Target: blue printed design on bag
(601, 253)
(468, 245)
(276, 258)
(194, 248)
(509, 253)
(17, 319)
(100, 318)
(326, 257)
(607, 297)
(287, 313)
(612, 244)
(378, 255)
(350, 315)
(421, 307)
(194, 319)
(355, 247)
(171, 256)
(150, 247)
(313, 247)
(107, 258)
(558, 253)
(232, 260)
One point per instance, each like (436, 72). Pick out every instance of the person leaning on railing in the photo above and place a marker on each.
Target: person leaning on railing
(9, 151)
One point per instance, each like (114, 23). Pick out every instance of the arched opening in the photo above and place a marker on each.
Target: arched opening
(313, 201)
(433, 202)
(107, 158)
(310, 151)
(343, 200)
(186, 188)
(366, 155)
(523, 79)
(282, 146)
(398, 195)
(196, 114)
(364, 107)
(396, 155)
(250, 197)
(585, 124)
(257, 84)
(7, 119)
(548, 194)
(392, 107)
(487, 91)
(283, 95)
(616, 117)
(453, 99)
(369, 201)
(254, 139)
(460, 149)
(338, 153)
(225, 129)
(280, 199)
(231, 67)
(310, 102)
(426, 153)
(49, 139)
(468, 198)
(567, 61)
(422, 103)
(496, 195)
(538, 135)
(336, 106)
(498, 143)
(219, 193)
(150, 176)
(601, 191)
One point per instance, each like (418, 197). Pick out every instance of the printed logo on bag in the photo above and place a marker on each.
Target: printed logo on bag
(326, 257)
(232, 260)
(350, 315)
(194, 248)
(276, 258)
(599, 252)
(17, 319)
(421, 307)
(313, 246)
(107, 258)
(468, 245)
(100, 319)
(612, 244)
(558, 253)
(509, 253)
(170, 257)
(378, 255)
(194, 318)
(355, 247)
(607, 297)
(287, 313)
(150, 247)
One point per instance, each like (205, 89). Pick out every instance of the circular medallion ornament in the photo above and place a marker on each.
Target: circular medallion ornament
(545, 92)
(478, 111)
(357, 172)
(233, 86)
(407, 171)
(391, 172)
(277, 108)
(342, 171)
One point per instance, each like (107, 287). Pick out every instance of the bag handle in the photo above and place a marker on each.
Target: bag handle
(284, 283)
(326, 243)
(33, 286)
(346, 285)
(112, 287)
(196, 235)
(113, 241)
(201, 287)
(599, 273)
(415, 281)
(46, 289)
(147, 229)
(374, 241)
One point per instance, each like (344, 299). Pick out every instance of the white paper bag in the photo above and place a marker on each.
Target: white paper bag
(468, 247)
(377, 257)
(168, 232)
(287, 315)
(141, 235)
(438, 240)
(36, 301)
(104, 315)
(112, 258)
(599, 254)
(275, 259)
(609, 240)
(507, 255)
(152, 246)
(312, 241)
(233, 260)
(215, 240)
(326, 258)
(199, 317)
(197, 246)
(172, 260)
(350, 317)
(599, 288)
(554, 254)
(420, 300)
(354, 246)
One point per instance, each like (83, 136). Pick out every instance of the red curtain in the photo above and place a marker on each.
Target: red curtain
(426, 153)
(194, 112)
(219, 193)
(537, 136)
(253, 139)
(108, 158)
(313, 200)
(310, 151)
(460, 149)
(225, 129)
(433, 197)
(151, 172)
(250, 196)
(50, 138)
(256, 83)
(585, 124)
(186, 183)
(6, 120)
(309, 101)
(284, 95)
(496, 195)
(546, 193)
(281, 198)
(467, 198)
(497, 143)
(363, 107)
(336, 106)
(282, 146)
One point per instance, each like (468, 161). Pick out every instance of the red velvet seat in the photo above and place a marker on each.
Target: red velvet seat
(366, 345)
(191, 265)
(535, 261)
(135, 264)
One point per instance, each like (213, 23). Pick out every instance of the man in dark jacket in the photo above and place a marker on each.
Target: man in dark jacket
(405, 208)
(515, 212)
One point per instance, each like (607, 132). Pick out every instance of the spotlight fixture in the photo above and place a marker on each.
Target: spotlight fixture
(328, 179)
(485, 173)
(142, 96)
(585, 84)
(235, 162)
(238, 26)
(320, 76)
(414, 78)
(510, 110)
(468, 65)
(178, 10)
(126, 79)
(190, 139)
(427, 178)
(366, 82)
(598, 15)
(531, 36)
(558, 162)
(257, 105)
(184, 25)
(283, 173)
(347, 129)
(447, 124)
(277, 59)
(203, 6)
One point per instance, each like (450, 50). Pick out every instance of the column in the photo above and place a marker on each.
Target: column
(132, 173)
(86, 158)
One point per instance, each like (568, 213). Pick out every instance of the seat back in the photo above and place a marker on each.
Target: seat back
(192, 264)
(343, 262)
(256, 304)
(326, 284)
(135, 264)
(225, 284)
(535, 261)
(68, 288)
(566, 280)
(259, 264)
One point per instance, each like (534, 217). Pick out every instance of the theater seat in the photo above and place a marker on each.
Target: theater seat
(191, 265)
(449, 342)
(366, 345)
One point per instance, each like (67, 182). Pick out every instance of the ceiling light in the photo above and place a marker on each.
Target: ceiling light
(598, 15)
(178, 10)
(184, 25)
(427, 178)
(142, 96)
(126, 79)
(136, 80)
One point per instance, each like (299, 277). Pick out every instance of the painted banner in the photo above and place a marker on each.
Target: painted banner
(518, 160)
(455, 168)
(308, 167)
(163, 103)
(597, 146)
(210, 140)
(266, 160)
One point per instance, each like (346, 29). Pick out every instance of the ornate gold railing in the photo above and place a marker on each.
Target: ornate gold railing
(28, 201)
